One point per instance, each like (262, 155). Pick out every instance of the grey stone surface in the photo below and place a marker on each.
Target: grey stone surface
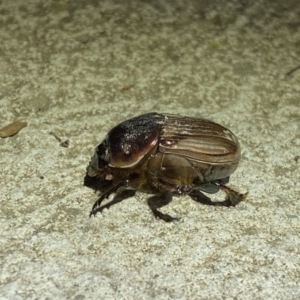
(63, 66)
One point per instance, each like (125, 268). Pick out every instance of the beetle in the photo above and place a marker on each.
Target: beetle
(165, 155)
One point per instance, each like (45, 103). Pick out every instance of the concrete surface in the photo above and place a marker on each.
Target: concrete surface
(63, 66)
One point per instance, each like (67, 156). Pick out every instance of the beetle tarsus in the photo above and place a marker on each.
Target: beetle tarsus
(165, 217)
(97, 204)
(94, 211)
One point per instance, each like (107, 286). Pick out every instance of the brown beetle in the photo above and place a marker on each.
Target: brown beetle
(165, 155)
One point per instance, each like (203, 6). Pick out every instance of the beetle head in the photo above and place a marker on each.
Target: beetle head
(98, 173)
(99, 161)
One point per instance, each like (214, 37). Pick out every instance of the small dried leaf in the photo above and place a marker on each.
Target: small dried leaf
(12, 129)
(127, 87)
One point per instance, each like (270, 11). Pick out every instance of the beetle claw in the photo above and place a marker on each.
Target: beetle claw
(96, 206)
(92, 213)
(233, 198)
(165, 217)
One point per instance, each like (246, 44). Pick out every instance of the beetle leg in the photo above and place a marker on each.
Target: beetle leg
(232, 199)
(105, 195)
(198, 196)
(158, 201)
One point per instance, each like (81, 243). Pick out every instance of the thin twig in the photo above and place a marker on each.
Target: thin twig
(292, 71)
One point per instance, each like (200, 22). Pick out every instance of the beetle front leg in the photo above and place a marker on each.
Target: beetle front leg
(96, 207)
(97, 204)
(120, 196)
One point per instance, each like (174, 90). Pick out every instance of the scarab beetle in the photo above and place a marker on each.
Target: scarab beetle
(165, 155)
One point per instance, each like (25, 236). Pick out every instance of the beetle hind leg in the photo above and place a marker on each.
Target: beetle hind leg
(159, 201)
(232, 197)
(198, 196)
